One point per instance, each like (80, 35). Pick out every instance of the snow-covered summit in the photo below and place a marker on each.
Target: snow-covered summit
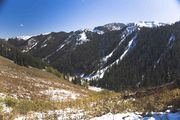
(109, 27)
(24, 37)
(150, 24)
(114, 26)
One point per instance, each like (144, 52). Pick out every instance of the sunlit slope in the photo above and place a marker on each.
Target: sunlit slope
(31, 83)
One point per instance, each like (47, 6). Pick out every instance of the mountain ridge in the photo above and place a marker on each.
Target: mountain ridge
(90, 54)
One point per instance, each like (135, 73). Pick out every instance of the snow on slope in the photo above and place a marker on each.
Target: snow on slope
(100, 73)
(96, 89)
(82, 38)
(129, 30)
(24, 37)
(131, 27)
(131, 44)
(110, 27)
(119, 116)
(150, 24)
(60, 47)
(171, 41)
(77, 114)
(98, 31)
(66, 114)
(137, 116)
(60, 94)
(114, 26)
(169, 45)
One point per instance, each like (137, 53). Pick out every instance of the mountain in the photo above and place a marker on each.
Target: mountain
(144, 61)
(31, 93)
(13, 53)
(115, 56)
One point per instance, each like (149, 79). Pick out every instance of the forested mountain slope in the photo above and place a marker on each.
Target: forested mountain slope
(114, 56)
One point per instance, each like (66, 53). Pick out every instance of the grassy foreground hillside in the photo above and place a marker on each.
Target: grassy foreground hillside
(30, 94)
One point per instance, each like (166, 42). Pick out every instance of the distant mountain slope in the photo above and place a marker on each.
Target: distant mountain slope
(116, 55)
(18, 57)
(153, 60)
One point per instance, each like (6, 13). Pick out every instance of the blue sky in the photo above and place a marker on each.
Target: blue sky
(31, 17)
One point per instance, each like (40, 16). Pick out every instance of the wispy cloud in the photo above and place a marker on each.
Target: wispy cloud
(21, 25)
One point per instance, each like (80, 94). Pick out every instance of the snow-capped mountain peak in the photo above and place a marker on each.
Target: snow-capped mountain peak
(150, 24)
(24, 37)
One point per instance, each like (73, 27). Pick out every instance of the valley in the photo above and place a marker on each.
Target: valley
(89, 60)
(114, 56)
(31, 93)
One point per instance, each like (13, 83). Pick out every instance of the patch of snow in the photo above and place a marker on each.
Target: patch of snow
(48, 38)
(109, 27)
(170, 44)
(66, 114)
(67, 41)
(137, 116)
(83, 36)
(57, 50)
(100, 73)
(60, 47)
(21, 118)
(98, 31)
(24, 37)
(43, 45)
(5, 108)
(3, 95)
(131, 44)
(114, 26)
(60, 94)
(150, 24)
(31, 44)
(129, 30)
(171, 41)
(82, 39)
(108, 56)
(96, 89)
(46, 33)
(119, 116)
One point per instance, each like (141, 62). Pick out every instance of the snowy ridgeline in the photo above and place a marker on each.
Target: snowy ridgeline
(81, 115)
